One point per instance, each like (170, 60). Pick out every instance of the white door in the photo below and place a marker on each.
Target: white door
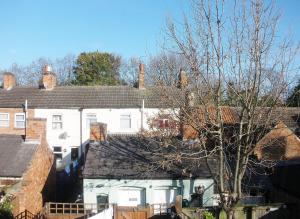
(130, 197)
(165, 196)
(160, 196)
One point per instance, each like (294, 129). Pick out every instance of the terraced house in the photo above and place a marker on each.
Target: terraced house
(70, 110)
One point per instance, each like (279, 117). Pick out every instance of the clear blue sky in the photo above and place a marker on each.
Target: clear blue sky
(38, 28)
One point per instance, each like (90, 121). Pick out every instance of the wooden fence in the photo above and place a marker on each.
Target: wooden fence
(132, 212)
(28, 215)
(84, 210)
(73, 208)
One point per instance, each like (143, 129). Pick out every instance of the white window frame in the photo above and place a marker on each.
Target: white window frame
(88, 117)
(19, 114)
(4, 126)
(61, 121)
(58, 152)
(130, 121)
(131, 199)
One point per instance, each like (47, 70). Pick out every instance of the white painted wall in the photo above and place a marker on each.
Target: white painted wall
(71, 125)
(105, 214)
(112, 188)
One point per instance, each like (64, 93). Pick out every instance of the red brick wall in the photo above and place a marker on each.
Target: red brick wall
(38, 181)
(35, 181)
(49, 81)
(11, 129)
(36, 128)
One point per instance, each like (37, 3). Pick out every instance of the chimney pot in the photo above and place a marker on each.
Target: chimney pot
(98, 132)
(141, 82)
(47, 69)
(183, 80)
(9, 81)
(49, 78)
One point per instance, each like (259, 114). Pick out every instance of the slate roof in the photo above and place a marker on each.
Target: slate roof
(15, 155)
(83, 96)
(134, 157)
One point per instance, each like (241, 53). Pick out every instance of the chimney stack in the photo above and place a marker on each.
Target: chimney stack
(49, 78)
(35, 129)
(141, 82)
(98, 132)
(183, 80)
(9, 81)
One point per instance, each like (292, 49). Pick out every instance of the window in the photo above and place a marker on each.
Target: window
(163, 123)
(90, 118)
(131, 197)
(125, 122)
(56, 149)
(4, 120)
(57, 152)
(57, 122)
(20, 120)
(102, 199)
(74, 154)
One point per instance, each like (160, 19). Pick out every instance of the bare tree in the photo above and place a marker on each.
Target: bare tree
(30, 75)
(129, 71)
(237, 51)
(64, 69)
(163, 68)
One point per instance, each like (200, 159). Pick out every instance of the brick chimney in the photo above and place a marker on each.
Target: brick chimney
(9, 81)
(183, 80)
(98, 132)
(49, 78)
(35, 129)
(141, 82)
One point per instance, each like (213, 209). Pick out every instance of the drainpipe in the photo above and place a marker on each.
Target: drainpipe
(142, 115)
(81, 146)
(25, 112)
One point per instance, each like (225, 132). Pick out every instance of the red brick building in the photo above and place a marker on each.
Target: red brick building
(27, 170)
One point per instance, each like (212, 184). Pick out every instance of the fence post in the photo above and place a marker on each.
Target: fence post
(115, 210)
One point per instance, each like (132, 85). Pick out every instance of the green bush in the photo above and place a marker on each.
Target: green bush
(208, 215)
(6, 210)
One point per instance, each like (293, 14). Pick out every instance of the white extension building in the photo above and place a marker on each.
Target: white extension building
(123, 170)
